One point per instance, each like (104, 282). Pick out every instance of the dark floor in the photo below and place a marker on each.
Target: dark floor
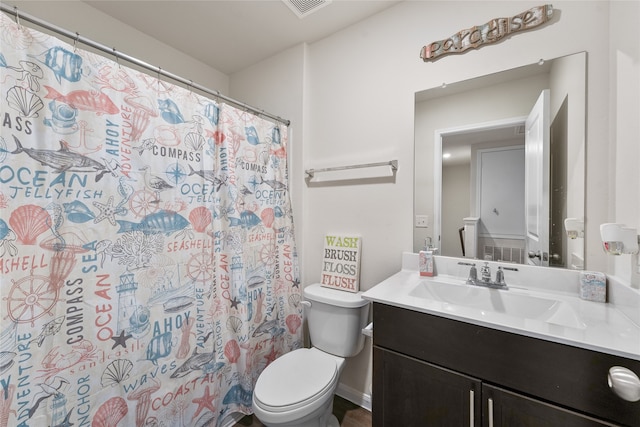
(348, 414)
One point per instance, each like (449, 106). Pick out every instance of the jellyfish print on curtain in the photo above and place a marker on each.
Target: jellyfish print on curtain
(149, 270)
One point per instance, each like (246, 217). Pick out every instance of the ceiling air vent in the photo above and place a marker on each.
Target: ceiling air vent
(303, 8)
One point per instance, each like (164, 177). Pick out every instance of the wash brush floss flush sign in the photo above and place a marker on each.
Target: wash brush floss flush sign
(341, 262)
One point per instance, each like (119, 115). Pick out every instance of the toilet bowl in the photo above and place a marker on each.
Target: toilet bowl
(297, 389)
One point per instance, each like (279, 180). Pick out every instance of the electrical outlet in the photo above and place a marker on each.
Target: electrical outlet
(422, 221)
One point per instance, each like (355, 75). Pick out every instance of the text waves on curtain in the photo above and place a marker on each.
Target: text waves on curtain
(149, 269)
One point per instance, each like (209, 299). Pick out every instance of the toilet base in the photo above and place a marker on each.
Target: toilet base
(321, 417)
(333, 421)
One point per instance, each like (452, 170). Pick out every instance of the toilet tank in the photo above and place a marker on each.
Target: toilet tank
(336, 319)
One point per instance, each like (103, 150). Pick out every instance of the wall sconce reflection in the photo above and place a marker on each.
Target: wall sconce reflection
(574, 228)
(618, 239)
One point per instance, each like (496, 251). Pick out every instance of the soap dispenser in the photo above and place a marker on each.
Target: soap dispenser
(428, 246)
(426, 259)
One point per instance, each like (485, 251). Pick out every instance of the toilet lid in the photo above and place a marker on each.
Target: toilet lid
(295, 378)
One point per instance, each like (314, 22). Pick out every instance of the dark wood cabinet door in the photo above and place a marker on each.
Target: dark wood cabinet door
(408, 392)
(502, 408)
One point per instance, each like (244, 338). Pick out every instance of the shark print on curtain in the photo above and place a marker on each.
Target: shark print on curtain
(147, 256)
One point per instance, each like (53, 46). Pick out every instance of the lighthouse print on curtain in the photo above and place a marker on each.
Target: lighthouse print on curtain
(147, 256)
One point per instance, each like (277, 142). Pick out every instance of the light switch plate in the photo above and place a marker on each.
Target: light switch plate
(422, 221)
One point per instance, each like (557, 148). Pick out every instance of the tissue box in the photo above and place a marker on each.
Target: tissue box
(593, 286)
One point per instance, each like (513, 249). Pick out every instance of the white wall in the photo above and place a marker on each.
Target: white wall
(623, 139)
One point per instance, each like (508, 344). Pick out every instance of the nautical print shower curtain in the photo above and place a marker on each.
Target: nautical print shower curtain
(148, 265)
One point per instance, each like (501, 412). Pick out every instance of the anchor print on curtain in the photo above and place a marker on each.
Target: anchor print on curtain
(147, 256)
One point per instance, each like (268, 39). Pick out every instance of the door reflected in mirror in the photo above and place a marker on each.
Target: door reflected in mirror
(499, 165)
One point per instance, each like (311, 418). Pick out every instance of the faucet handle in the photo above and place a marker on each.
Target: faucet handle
(500, 277)
(473, 273)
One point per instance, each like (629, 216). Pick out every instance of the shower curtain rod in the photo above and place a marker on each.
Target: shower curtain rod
(112, 51)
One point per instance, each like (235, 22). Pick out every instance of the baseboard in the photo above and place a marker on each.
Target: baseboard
(355, 396)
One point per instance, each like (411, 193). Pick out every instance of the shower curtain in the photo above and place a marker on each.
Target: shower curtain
(147, 256)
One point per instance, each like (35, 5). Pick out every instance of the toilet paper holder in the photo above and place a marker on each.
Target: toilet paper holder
(368, 330)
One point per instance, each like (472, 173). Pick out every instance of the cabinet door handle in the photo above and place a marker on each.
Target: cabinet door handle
(490, 403)
(624, 383)
(471, 408)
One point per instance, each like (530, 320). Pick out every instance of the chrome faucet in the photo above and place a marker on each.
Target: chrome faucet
(485, 276)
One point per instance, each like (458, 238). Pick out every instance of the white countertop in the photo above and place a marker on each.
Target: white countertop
(603, 327)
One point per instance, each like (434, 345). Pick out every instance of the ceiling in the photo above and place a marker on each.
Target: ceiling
(232, 35)
(458, 145)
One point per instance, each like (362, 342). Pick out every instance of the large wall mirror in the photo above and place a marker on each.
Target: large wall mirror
(499, 165)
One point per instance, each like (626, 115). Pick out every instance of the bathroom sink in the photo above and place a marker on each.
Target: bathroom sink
(485, 302)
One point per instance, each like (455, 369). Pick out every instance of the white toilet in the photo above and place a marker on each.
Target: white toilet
(297, 389)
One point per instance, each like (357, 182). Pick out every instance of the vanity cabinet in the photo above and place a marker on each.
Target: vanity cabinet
(410, 392)
(433, 371)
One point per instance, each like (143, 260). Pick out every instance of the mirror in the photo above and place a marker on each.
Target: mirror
(509, 181)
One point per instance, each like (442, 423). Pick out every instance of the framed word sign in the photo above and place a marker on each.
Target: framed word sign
(341, 262)
(491, 32)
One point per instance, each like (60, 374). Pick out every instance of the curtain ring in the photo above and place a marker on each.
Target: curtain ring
(75, 42)
(15, 8)
(158, 88)
(189, 85)
(115, 53)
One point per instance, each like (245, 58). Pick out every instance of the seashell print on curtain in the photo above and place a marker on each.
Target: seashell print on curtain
(147, 256)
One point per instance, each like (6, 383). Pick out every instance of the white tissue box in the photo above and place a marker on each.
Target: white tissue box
(593, 286)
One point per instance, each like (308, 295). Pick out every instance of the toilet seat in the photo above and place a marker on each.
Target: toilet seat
(295, 380)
